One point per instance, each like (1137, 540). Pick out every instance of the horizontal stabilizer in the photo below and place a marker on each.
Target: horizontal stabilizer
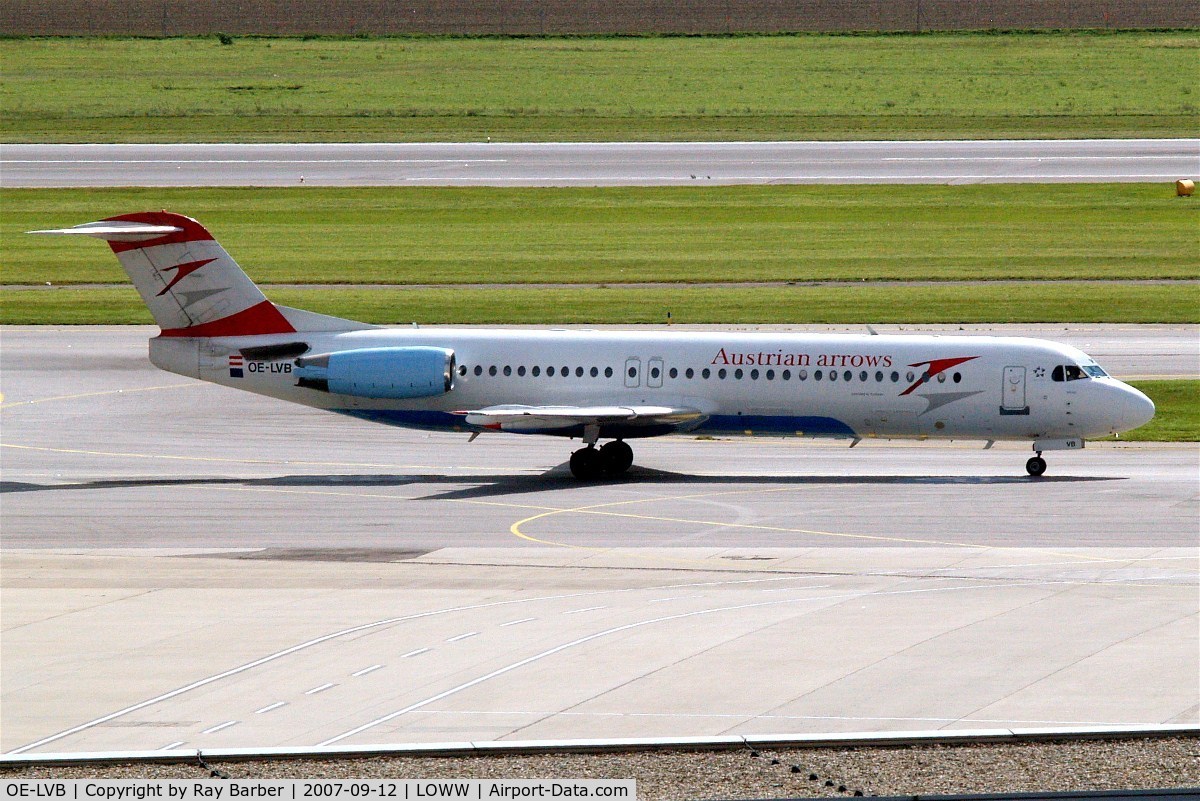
(116, 231)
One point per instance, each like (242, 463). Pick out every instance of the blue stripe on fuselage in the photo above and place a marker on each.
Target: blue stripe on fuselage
(717, 424)
(776, 424)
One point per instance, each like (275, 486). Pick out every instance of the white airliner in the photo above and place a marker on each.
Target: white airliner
(607, 385)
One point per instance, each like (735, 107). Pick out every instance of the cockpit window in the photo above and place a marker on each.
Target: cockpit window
(1069, 372)
(1095, 371)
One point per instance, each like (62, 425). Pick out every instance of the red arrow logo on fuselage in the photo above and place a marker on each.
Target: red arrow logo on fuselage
(932, 368)
(185, 269)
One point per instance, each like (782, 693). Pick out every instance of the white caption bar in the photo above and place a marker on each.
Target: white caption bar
(302, 789)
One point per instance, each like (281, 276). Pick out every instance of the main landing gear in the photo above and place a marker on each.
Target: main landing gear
(1036, 465)
(611, 459)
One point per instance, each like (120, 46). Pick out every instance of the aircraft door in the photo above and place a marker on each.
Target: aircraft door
(633, 372)
(654, 372)
(1012, 399)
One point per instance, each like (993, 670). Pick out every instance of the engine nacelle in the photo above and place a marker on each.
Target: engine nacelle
(415, 372)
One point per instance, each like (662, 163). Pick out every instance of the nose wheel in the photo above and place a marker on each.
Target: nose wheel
(1036, 466)
(612, 459)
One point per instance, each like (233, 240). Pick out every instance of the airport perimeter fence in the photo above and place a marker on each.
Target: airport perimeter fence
(538, 17)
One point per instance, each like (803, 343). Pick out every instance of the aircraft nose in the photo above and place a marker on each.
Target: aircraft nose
(1131, 408)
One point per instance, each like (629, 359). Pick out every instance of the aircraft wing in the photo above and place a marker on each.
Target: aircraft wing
(519, 418)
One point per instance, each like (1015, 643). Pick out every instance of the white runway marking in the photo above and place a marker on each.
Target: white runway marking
(269, 707)
(417, 652)
(794, 589)
(1028, 158)
(220, 726)
(366, 670)
(585, 609)
(516, 622)
(462, 636)
(320, 689)
(255, 161)
(172, 746)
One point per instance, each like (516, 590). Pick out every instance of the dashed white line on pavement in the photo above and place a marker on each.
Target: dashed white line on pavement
(220, 726)
(319, 689)
(585, 609)
(172, 746)
(462, 636)
(366, 670)
(269, 707)
(517, 622)
(417, 652)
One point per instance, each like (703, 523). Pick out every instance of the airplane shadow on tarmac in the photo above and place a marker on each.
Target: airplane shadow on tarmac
(559, 477)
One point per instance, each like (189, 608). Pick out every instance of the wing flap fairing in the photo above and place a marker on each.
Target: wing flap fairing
(518, 417)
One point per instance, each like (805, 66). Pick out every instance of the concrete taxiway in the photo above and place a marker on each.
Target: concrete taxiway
(600, 164)
(183, 565)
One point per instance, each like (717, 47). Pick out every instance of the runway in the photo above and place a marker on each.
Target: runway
(599, 164)
(184, 566)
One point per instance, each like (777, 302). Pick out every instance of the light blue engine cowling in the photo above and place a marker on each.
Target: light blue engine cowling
(416, 372)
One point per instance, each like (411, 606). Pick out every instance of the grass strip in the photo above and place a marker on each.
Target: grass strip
(505, 128)
(388, 235)
(1176, 415)
(894, 303)
(1051, 84)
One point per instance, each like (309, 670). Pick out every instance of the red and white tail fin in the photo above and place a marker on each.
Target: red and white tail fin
(191, 285)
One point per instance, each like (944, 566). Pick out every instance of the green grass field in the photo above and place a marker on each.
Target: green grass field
(632, 235)
(1080, 301)
(744, 87)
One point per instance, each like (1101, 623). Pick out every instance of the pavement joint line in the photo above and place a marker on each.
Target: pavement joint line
(97, 394)
(623, 745)
(921, 643)
(627, 627)
(1088, 656)
(229, 460)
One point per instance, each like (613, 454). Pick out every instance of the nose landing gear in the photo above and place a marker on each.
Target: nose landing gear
(1036, 465)
(611, 459)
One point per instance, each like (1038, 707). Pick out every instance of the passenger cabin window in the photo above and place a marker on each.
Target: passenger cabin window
(1067, 372)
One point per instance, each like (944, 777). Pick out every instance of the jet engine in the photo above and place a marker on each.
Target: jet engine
(414, 372)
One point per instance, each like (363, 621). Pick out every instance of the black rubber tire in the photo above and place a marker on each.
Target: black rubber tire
(1036, 466)
(618, 457)
(587, 464)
